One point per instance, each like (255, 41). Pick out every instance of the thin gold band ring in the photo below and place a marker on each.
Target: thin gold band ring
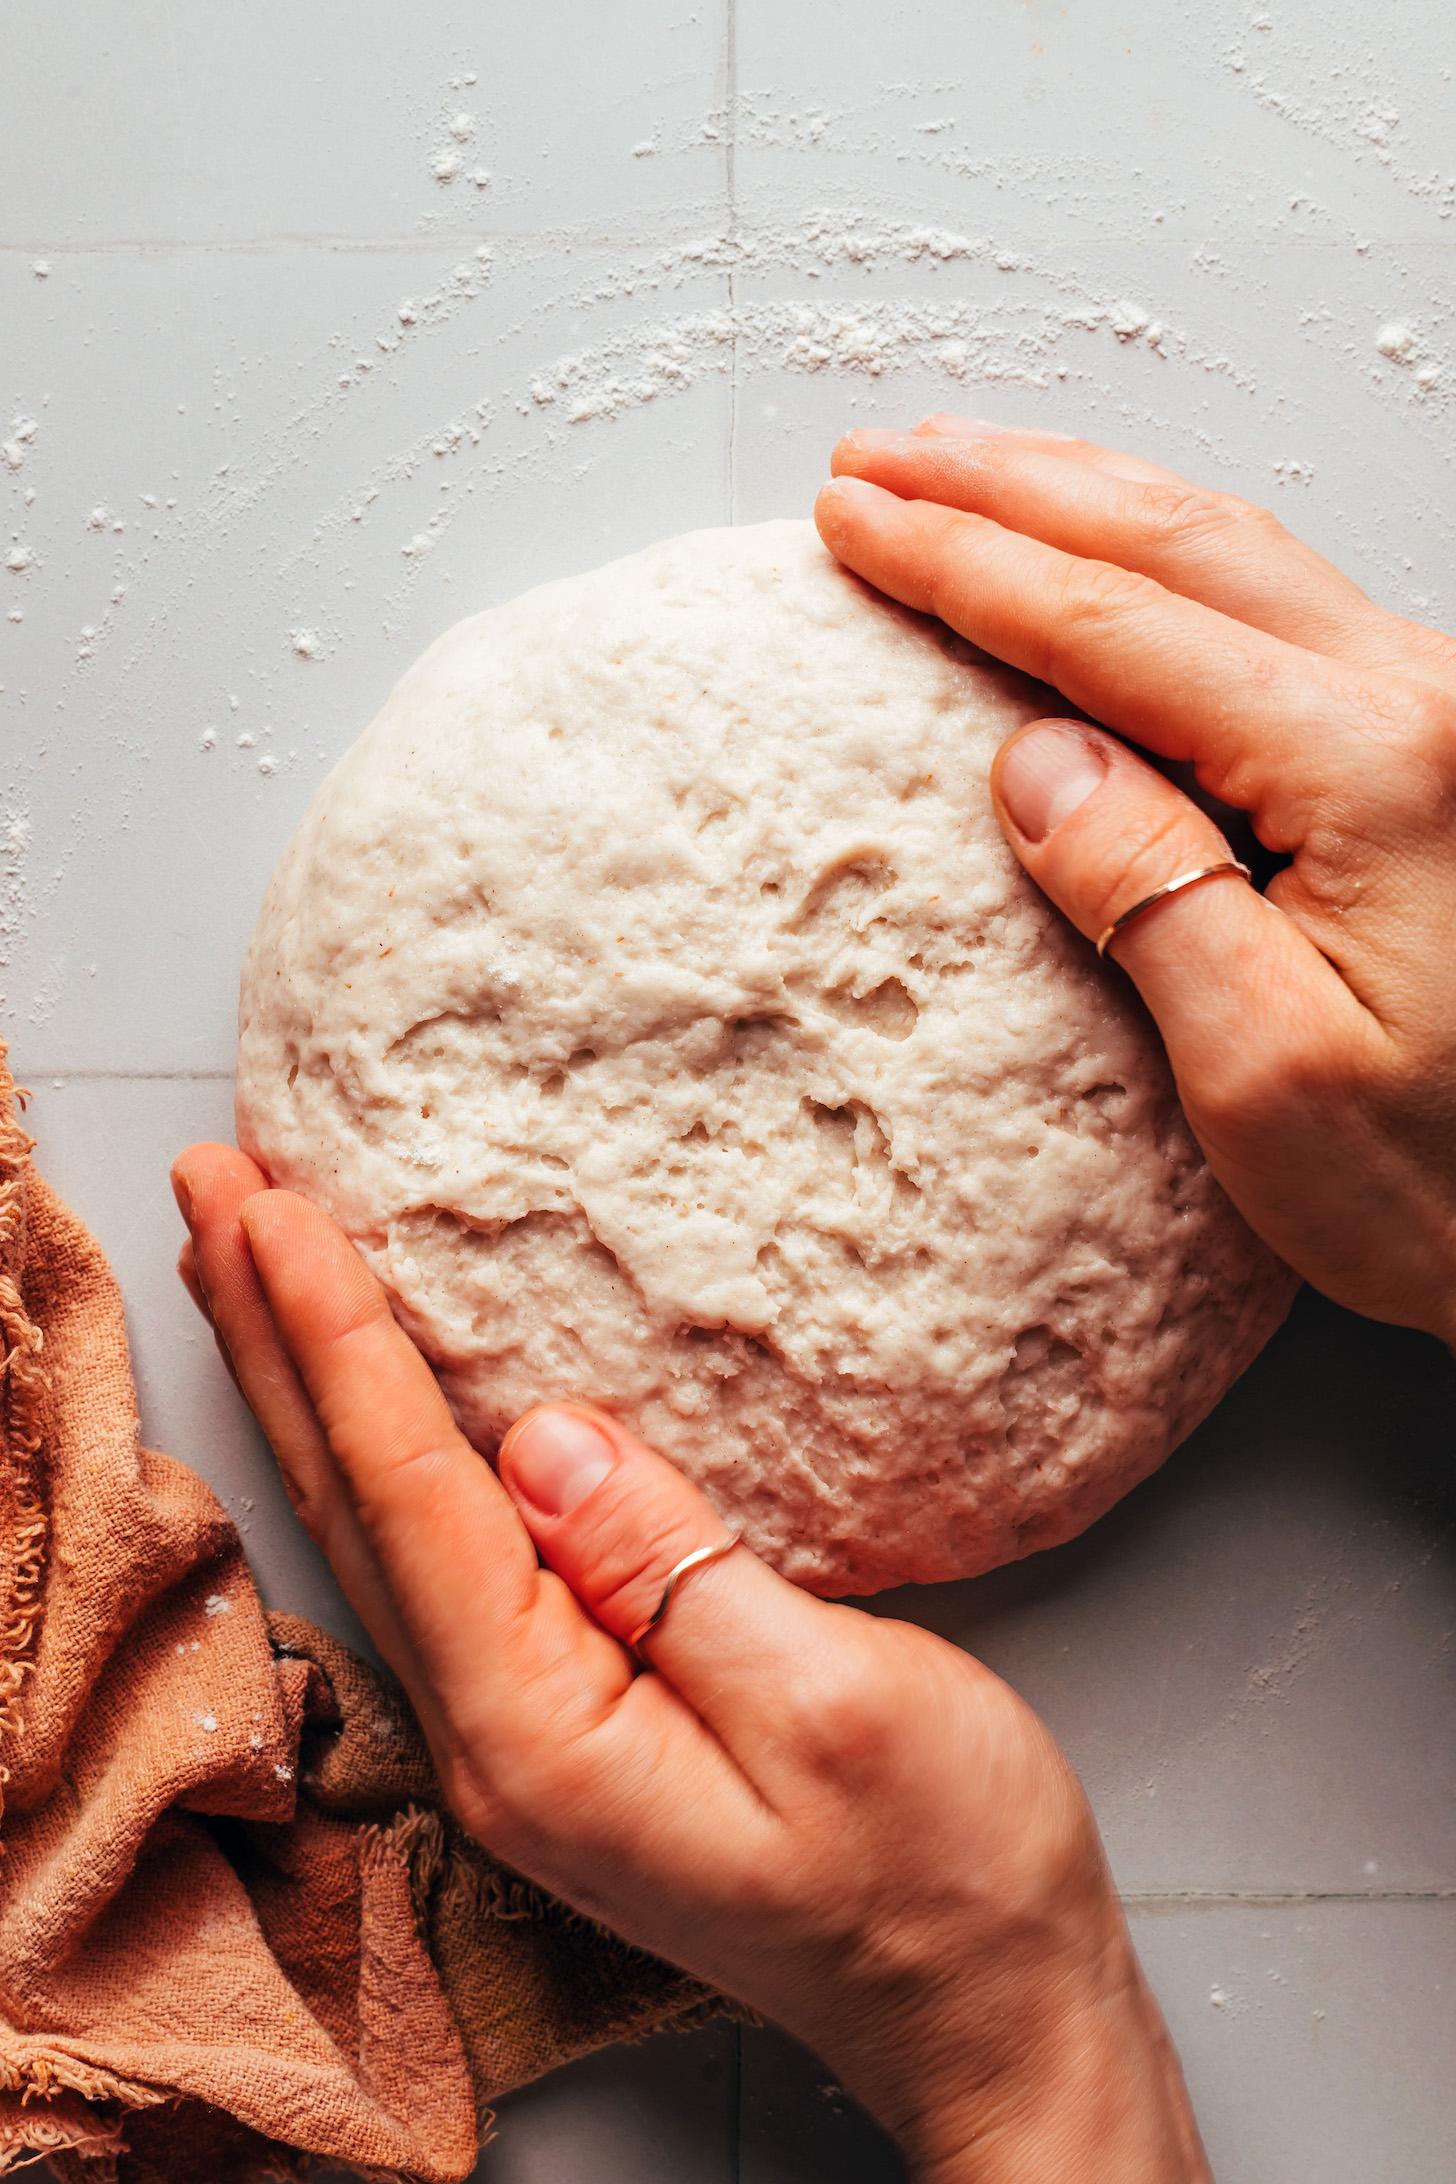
(697, 1560)
(1172, 887)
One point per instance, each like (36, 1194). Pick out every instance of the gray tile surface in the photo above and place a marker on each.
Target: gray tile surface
(1252, 1661)
(666, 2109)
(799, 2126)
(1316, 2037)
(293, 494)
(1305, 2057)
(285, 380)
(226, 127)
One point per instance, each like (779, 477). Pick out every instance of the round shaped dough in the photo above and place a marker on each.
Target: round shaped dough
(651, 995)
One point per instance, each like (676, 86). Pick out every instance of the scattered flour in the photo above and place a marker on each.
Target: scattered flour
(939, 299)
(1340, 101)
(15, 833)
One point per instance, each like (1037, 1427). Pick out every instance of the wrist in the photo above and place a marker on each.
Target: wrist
(1085, 2083)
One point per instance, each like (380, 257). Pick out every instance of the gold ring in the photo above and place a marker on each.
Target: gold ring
(699, 1557)
(1171, 887)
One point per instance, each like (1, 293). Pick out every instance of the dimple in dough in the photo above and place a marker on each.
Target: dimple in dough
(652, 996)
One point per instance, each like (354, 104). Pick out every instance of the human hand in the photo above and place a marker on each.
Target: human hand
(1312, 1031)
(839, 1819)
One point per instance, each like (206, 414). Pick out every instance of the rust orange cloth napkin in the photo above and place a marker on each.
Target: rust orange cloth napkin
(238, 1937)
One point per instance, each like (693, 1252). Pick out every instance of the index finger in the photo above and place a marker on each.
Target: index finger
(1258, 715)
(1203, 545)
(552, 1752)
(1116, 461)
(416, 1486)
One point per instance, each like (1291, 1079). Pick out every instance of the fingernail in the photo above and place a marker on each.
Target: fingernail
(183, 1195)
(968, 427)
(877, 436)
(963, 428)
(859, 489)
(251, 1208)
(191, 1281)
(1045, 774)
(556, 1458)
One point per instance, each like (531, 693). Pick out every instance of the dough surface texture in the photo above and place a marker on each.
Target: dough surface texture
(651, 995)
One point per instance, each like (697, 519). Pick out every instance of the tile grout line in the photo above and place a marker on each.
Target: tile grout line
(40, 1076)
(735, 2116)
(455, 240)
(450, 240)
(730, 177)
(1275, 1899)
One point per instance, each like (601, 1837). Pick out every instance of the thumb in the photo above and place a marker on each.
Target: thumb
(614, 1520)
(1237, 990)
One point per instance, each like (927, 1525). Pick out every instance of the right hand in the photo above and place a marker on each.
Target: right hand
(1311, 1030)
(840, 1819)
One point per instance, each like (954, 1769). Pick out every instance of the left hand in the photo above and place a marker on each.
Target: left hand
(840, 1819)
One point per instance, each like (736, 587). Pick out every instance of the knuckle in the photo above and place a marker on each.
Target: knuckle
(1399, 714)
(1152, 859)
(1180, 512)
(628, 1548)
(1183, 515)
(1432, 651)
(412, 1471)
(840, 1719)
(1096, 593)
(943, 534)
(1246, 515)
(1431, 735)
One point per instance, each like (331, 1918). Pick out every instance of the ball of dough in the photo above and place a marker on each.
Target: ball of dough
(651, 994)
